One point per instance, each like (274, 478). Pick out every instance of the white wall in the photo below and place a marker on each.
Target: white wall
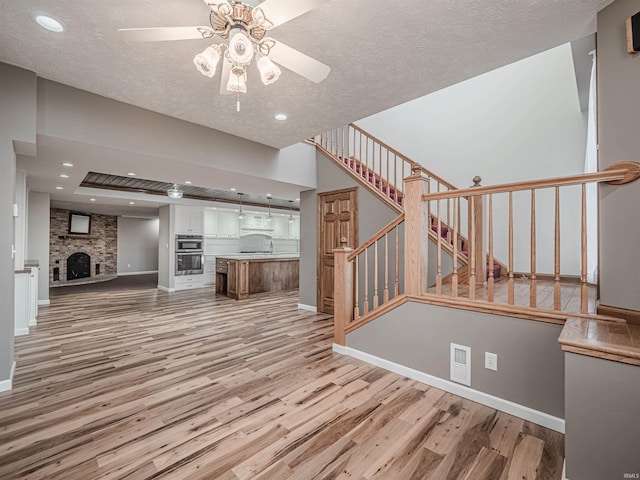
(519, 122)
(137, 245)
(38, 239)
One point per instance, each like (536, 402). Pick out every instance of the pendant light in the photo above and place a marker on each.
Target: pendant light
(269, 215)
(290, 211)
(241, 215)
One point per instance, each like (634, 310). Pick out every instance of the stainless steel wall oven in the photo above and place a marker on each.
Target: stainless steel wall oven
(189, 255)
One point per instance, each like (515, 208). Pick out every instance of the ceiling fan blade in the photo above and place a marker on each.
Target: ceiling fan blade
(298, 62)
(278, 12)
(224, 78)
(162, 34)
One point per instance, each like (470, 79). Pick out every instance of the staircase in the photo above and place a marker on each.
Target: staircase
(381, 169)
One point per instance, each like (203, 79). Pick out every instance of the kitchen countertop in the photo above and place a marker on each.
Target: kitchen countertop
(260, 256)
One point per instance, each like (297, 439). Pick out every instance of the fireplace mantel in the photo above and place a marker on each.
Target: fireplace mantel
(81, 236)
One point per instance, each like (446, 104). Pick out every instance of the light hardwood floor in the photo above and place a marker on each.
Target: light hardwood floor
(146, 385)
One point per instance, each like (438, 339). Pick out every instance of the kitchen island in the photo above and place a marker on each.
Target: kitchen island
(238, 276)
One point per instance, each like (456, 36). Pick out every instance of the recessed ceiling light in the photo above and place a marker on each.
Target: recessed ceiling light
(92, 199)
(268, 194)
(50, 23)
(67, 164)
(281, 117)
(62, 175)
(132, 203)
(297, 199)
(187, 182)
(59, 188)
(131, 174)
(232, 189)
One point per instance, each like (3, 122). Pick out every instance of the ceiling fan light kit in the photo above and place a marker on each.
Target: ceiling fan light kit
(242, 29)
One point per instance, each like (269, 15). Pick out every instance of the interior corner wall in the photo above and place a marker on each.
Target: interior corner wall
(38, 239)
(530, 361)
(618, 119)
(373, 214)
(518, 122)
(137, 245)
(17, 123)
(165, 262)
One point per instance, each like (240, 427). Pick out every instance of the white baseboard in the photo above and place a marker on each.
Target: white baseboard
(124, 274)
(18, 332)
(8, 384)
(310, 308)
(507, 406)
(44, 302)
(165, 289)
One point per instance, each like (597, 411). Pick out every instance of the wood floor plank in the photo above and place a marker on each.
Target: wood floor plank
(143, 384)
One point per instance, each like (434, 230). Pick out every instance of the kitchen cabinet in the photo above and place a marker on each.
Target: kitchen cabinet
(238, 279)
(185, 282)
(221, 223)
(294, 228)
(189, 220)
(280, 227)
(256, 223)
(243, 276)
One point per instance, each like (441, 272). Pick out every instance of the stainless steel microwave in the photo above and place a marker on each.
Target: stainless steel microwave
(189, 243)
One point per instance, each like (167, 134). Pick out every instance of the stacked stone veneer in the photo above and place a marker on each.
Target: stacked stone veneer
(101, 245)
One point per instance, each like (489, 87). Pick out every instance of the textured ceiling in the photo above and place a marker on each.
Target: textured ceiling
(381, 54)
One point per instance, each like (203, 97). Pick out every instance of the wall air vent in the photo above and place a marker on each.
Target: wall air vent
(461, 364)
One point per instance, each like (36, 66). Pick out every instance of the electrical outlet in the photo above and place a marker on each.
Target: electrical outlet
(491, 361)
(128, 265)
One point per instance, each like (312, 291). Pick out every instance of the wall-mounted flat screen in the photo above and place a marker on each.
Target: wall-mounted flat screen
(79, 223)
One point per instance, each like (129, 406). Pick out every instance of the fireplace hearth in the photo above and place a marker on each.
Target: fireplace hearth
(78, 266)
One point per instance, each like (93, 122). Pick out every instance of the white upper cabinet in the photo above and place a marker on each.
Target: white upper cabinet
(189, 220)
(294, 228)
(280, 227)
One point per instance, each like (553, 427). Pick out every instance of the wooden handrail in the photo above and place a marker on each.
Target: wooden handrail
(377, 236)
(424, 170)
(618, 174)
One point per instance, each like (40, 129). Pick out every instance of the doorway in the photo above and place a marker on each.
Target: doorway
(337, 218)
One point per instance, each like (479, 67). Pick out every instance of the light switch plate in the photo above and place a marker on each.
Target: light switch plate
(491, 361)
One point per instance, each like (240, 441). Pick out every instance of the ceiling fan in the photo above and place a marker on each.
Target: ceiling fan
(243, 29)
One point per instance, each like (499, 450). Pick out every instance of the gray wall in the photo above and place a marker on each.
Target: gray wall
(530, 361)
(602, 437)
(38, 239)
(373, 214)
(17, 123)
(137, 245)
(618, 118)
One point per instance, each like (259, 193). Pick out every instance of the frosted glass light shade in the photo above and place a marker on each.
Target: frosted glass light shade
(174, 192)
(207, 61)
(237, 83)
(269, 71)
(241, 49)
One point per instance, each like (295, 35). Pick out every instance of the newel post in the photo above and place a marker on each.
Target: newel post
(416, 233)
(342, 292)
(477, 260)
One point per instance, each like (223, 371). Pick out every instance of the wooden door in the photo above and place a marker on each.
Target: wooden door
(337, 218)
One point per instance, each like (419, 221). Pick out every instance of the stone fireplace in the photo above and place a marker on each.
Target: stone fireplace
(82, 258)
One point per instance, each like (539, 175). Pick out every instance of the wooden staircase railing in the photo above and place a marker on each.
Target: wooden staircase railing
(418, 202)
(381, 169)
(371, 275)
